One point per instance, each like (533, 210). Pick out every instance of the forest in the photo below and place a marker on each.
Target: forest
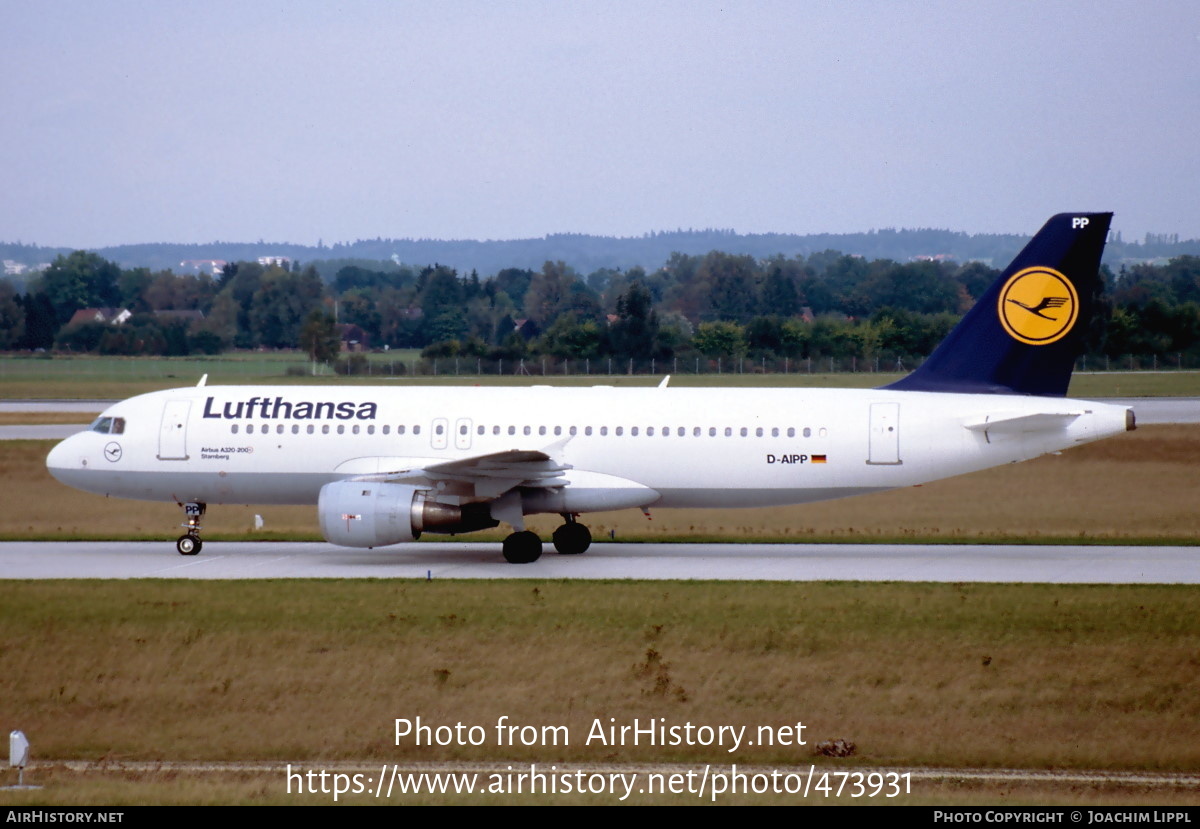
(877, 313)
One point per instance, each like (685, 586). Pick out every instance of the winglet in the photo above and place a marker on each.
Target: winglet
(1024, 333)
(203, 380)
(664, 382)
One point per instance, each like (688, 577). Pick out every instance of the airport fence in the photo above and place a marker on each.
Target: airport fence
(729, 365)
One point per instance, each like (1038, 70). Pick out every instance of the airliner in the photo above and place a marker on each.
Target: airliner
(385, 465)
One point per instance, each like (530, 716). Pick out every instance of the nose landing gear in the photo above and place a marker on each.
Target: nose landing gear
(189, 544)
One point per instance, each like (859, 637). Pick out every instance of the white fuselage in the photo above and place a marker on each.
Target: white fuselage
(686, 447)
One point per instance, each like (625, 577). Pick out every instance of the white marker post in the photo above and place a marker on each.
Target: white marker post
(18, 757)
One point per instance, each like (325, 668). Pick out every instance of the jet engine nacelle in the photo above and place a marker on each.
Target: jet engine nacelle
(373, 514)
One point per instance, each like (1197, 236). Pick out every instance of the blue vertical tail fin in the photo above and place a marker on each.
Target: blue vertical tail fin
(1024, 333)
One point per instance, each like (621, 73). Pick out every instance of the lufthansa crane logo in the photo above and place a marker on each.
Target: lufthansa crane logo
(1038, 306)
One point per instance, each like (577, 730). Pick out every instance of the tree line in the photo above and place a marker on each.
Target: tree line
(711, 306)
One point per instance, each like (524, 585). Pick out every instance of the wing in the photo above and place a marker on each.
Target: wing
(484, 477)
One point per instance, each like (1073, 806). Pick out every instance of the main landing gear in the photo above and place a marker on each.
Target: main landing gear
(572, 538)
(524, 547)
(189, 544)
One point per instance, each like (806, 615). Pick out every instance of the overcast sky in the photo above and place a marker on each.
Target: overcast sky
(290, 121)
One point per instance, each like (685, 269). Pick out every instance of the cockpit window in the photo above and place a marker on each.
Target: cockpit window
(109, 425)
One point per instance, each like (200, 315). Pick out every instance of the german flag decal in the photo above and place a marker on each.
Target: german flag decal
(818, 459)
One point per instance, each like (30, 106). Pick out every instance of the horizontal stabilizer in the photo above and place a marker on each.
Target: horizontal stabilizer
(1015, 423)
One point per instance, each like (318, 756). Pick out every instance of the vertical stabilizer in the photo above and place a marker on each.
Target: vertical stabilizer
(1024, 333)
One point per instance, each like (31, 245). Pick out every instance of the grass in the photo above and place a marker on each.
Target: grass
(316, 672)
(115, 377)
(46, 418)
(1140, 487)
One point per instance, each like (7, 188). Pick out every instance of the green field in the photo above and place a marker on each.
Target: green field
(114, 377)
(316, 672)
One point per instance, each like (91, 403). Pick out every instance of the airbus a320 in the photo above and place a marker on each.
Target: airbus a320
(385, 465)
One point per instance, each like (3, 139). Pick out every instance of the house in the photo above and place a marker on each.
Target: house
(108, 316)
(353, 338)
(211, 266)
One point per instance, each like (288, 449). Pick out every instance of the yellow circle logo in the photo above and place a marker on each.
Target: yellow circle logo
(1038, 306)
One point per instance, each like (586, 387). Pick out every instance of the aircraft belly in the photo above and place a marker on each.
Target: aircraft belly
(696, 498)
(206, 487)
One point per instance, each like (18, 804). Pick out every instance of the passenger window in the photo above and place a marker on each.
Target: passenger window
(807, 432)
(325, 429)
(633, 431)
(696, 432)
(495, 430)
(557, 430)
(371, 429)
(387, 429)
(279, 429)
(712, 431)
(587, 431)
(649, 431)
(792, 432)
(480, 430)
(775, 432)
(541, 430)
(295, 428)
(438, 428)
(416, 430)
(399, 430)
(234, 428)
(823, 432)
(354, 428)
(310, 429)
(462, 429)
(572, 430)
(620, 430)
(728, 432)
(758, 432)
(528, 430)
(512, 430)
(249, 428)
(341, 429)
(603, 431)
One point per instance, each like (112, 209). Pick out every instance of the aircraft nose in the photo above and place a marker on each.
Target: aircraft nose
(63, 457)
